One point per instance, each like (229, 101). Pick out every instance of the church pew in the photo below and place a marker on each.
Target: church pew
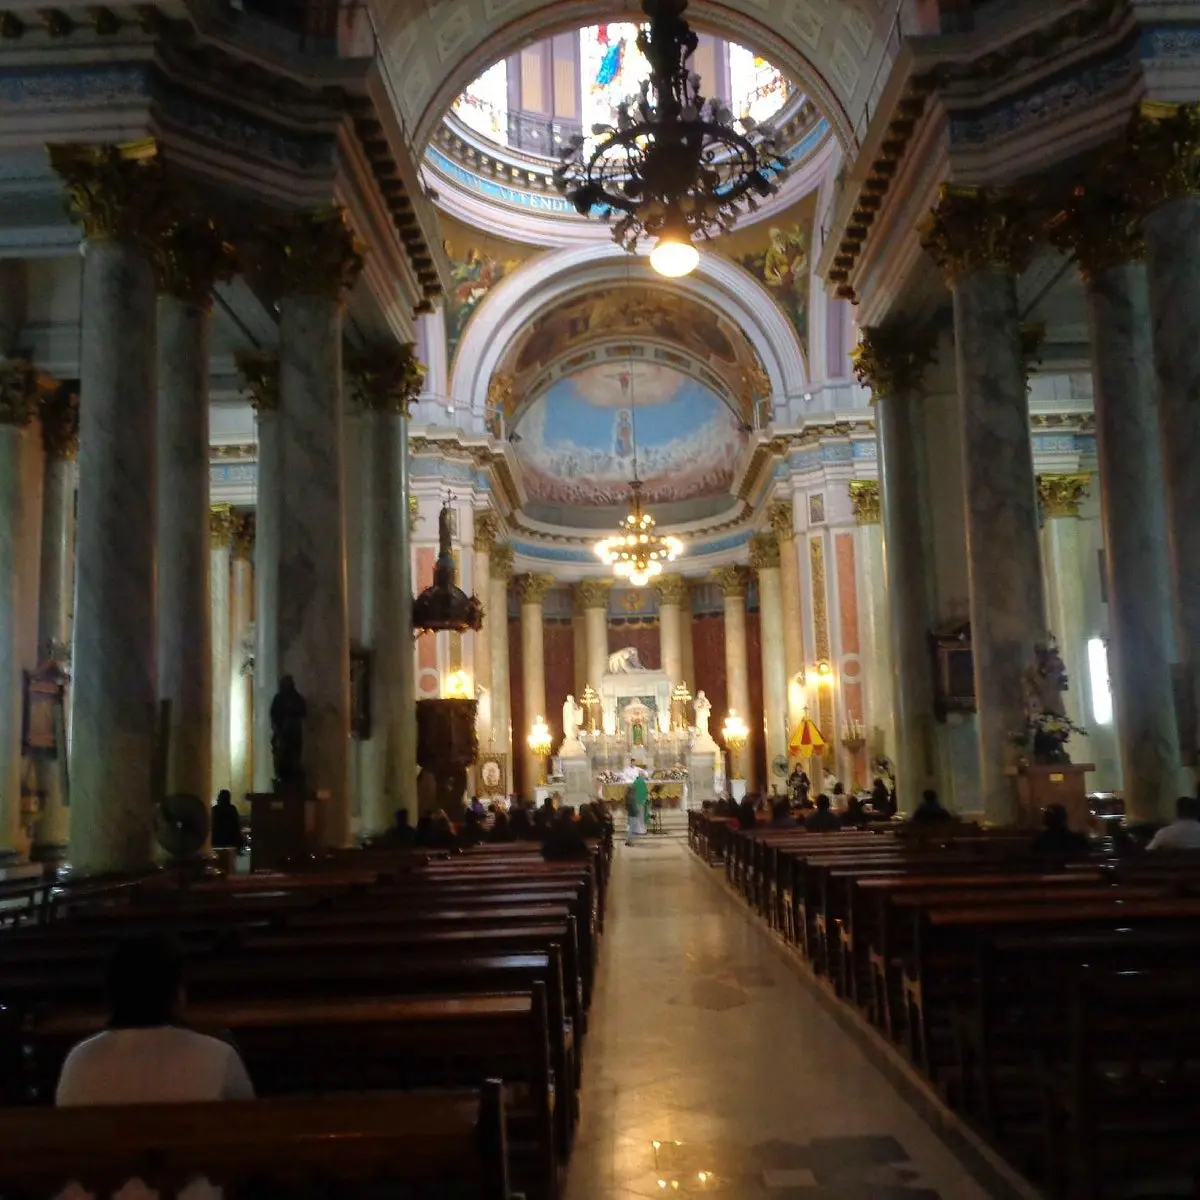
(378, 1044)
(446, 1145)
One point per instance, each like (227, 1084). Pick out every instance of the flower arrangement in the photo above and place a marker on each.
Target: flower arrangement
(670, 775)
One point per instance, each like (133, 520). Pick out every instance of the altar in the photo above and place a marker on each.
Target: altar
(635, 703)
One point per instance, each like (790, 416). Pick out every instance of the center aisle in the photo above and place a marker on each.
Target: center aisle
(704, 1041)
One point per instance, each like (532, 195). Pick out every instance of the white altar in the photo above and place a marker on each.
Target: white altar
(635, 705)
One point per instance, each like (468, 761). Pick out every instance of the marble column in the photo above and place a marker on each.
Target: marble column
(114, 191)
(222, 523)
(193, 257)
(241, 629)
(386, 381)
(734, 582)
(56, 592)
(487, 529)
(765, 560)
(260, 380)
(533, 589)
(18, 403)
(672, 590)
(593, 595)
(502, 733)
(1166, 142)
(781, 518)
(1096, 226)
(891, 362)
(315, 260)
(982, 240)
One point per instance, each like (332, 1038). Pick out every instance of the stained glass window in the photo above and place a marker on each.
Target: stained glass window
(483, 107)
(612, 68)
(756, 88)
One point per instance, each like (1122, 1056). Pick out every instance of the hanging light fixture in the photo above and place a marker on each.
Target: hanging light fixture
(637, 552)
(676, 166)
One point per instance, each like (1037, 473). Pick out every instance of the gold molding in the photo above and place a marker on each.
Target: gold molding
(816, 558)
(502, 561)
(1063, 495)
(1099, 225)
(973, 229)
(244, 528)
(865, 501)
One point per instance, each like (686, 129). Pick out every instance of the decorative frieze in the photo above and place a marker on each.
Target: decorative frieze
(891, 359)
(260, 379)
(310, 254)
(190, 256)
(733, 581)
(533, 588)
(976, 228)
(865, 501)
(18, 392)
(116, 191)
(1062, 495)
(386, 378)
(764, 552)
(59, 412)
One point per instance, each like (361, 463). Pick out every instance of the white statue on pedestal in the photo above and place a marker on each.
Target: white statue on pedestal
(572, 716)
(703, 707)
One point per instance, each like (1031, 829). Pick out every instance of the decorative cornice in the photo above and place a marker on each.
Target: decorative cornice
(782, 518)
(1062, 495)
(60, 423)
(671, 589)
(975, 229)
(310, 254)
(190, 256)
(244, 527)
(502, 561)
(221, 524)
(233, 452)
(533, 588)
(865, 501)
(890, 360)
(487, 530)
(764, 552)
(115, 191)
(260, 377)
(733, 581)
(18, 392)
(386, 378)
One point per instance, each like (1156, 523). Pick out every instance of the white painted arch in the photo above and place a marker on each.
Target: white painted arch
(552, 279)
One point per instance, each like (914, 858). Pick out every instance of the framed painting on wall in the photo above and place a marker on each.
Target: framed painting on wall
(490, 773)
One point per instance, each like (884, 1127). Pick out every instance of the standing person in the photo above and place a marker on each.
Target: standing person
(226, 823)
(637, 804)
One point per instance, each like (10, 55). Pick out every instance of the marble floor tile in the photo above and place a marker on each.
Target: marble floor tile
(712, 1070)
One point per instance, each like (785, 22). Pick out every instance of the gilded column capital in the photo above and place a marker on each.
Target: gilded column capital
(1100, 225)
(783, 520)
(60, 423)
(310, 254)
(487, 530)
(414, 513)
(190, 256)
(386, 378)
(733, 581)
(976, 228)
(260, 378)
(865, 501)
(889, 360)
(114, 191)
(1062, 495)
(221, 524)
(533, 588)
(1164, 145)
(764, 552)
(593, 593)
(502, 561)
(671, 589)
(19, 392)
(244, 527)
(500, 393)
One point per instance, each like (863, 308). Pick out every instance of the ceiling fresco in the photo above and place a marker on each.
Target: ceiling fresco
(576, 441)
(706, 345)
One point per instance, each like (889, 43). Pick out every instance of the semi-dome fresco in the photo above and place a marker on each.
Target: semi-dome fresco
(576, 439)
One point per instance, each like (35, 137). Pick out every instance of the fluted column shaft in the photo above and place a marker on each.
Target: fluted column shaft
(60, 439)
(486, 528)
(733, 581)
(672, 591)
(533, 665)
(775, 712)
(187, 654)
(793, 628)
(502, 733)
(221, 527)
(241, 732)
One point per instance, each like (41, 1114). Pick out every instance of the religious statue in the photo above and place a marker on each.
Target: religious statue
(1047, 726)
(288, 711)
(703, 707)
(624, 661)
(572, 715)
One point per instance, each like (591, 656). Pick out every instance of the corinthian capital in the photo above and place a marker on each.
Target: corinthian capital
(386, 378)
(890, 360)
(487, 530)
(18, 392)
(1062, 495)
(592, 593)
(221, 525)
(974, 228)
(782, 520)
(244, 527)
(864, 500)
(1164, 142)
(502, 561)
(533, 588)
(114, 192)
(671, 589)
(764, 552)
(310, 254)
(733, 581)
(260, 378)
(191, 255)
(60, 423)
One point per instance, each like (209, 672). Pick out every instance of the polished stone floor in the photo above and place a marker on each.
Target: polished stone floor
(711, 1068)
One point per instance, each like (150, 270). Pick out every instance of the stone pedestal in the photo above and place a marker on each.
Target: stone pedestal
(702, 775)
(577, 775)
(1065, 784)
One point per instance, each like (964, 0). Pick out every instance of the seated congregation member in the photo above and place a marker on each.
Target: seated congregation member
(856, 816)
(520, 823)
(930, 810)
(226, 823)
(824, 819)
(882, 800)
(1057, 840)
(402, 835)
(502, 830)
(564, 841)
(1184, 832)
(747, 814)
(781, 815)
(439, 834)
(590, 822)
(471, 832)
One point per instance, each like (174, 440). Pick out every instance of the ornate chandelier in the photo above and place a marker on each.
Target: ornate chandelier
(637, 553)
(675, 166)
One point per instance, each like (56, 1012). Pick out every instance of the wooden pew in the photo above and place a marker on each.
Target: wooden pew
(446, 1144)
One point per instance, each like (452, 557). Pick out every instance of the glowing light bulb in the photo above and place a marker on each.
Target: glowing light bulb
(674, 257)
